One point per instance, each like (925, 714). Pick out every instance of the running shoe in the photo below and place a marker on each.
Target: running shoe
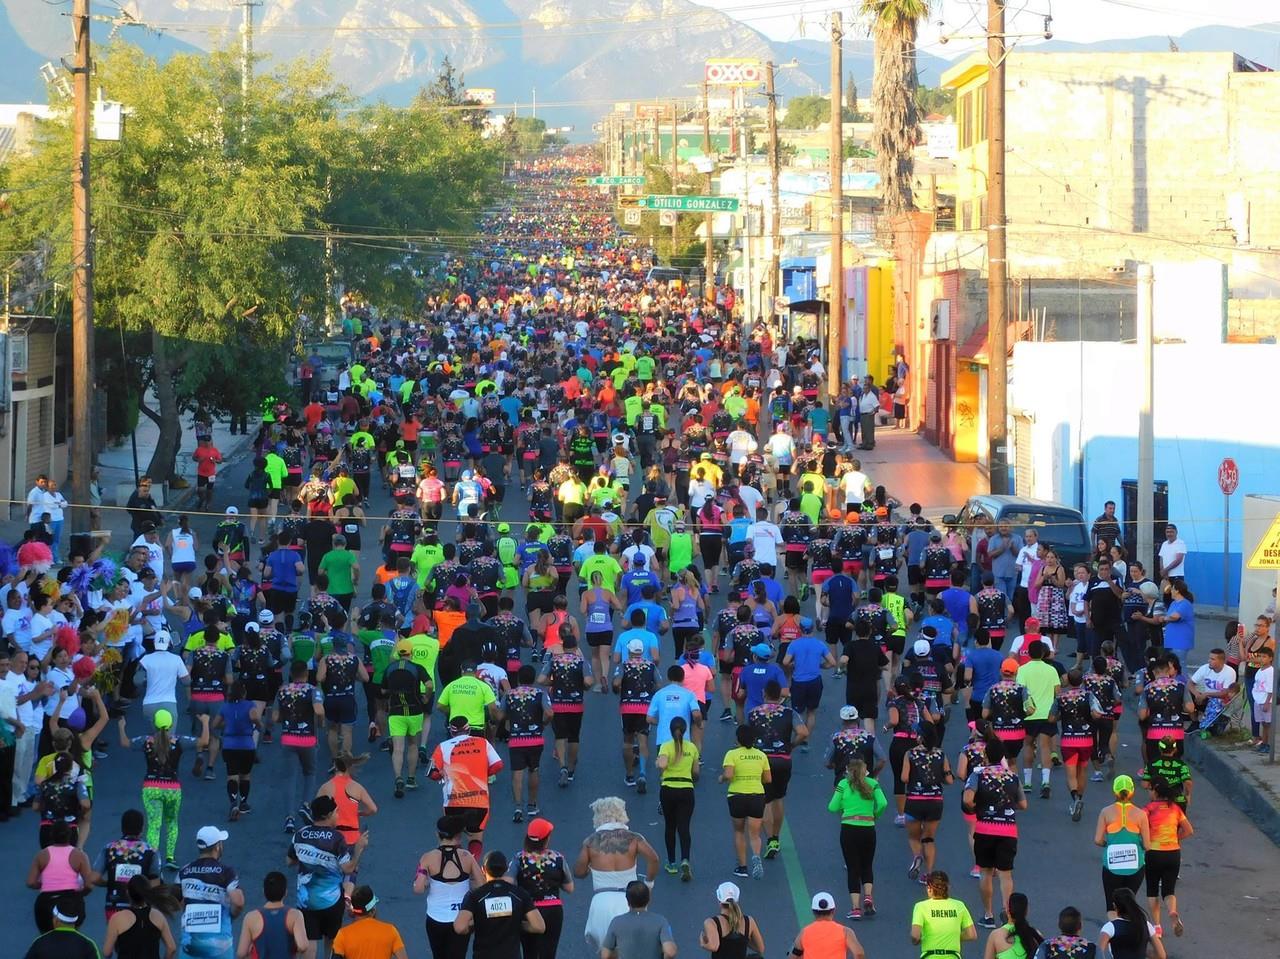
(868, 907)
(1026, 786)
(245, 808)
(757, 868)
(987, 922)
(373, 732)
(1077, 810)
(913, 871)
(209, 775)
(1178, 927)
(740, 872)
(517, 815)
(854, 914)
(564, 778)
(804, 748)
(290, 826)
(234, 813)
(531, 809)
(399, 793)
(641, 786)
(305, 811)
(773, 847)
(385, 746)
(726, 716)
(1097, 777)
(686, 871)
(570, 775)
(411, 782)
(197, 768)
(900, 820)
(267, 736)
(923, 879)
(171, 865)
(1044, 790)
(975, 873)
(1057, 759)
(672, 869)
(629, 781)
(424, 757)
(99, 752)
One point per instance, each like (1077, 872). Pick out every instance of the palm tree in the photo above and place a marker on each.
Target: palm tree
(894, 26)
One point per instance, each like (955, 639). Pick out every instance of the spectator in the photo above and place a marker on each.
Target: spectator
(1172, 555)
(1179, 618)
(142, 507)
(638, 933)
(1106, 527)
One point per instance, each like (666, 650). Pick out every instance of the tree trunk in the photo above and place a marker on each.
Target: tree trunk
(165, 457)
(897, 122)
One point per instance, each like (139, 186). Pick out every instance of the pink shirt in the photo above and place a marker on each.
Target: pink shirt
(696, 677)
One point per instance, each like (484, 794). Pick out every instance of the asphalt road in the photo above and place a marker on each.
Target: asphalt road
(1230, 875)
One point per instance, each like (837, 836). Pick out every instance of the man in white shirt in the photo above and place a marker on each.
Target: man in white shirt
(766, 537)
(1214, 680)
(741, 444)
(856, 485)
(37, 500)
(28, 689)
(868, 406)
(751, 498)
(1026, 559)
(163, 670)
(150, 542)
(1173, 552)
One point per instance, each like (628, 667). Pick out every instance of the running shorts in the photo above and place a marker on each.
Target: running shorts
(1077, 755)
(779, 778)
(340, 710)
(746, 806)
(995, 852)
(404, 725)
(525, 757)
(567, 726)
(806, 695)
(474, 818)
(924, 810)
(596, 640)
(324, 923)
(633, 723)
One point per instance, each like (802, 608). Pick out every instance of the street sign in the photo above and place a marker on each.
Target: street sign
(667, 218)
(1267, 555)
(632, 217)
(690, 204)
(616, 181)
(1228, 476)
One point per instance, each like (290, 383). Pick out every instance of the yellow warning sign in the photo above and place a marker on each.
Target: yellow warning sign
(1267, 555)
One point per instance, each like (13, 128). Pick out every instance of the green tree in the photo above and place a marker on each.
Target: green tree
(941, 100)
(894, 27)
(526, 136)
(807, 112)
(851, 100)
(448, 92)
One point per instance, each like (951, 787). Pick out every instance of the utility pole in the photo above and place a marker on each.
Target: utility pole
(708, 261)
(775, 208)
(675, 166)
(246, 45)
(835, 312)
(1145, 533)
(657, 139)
(997, 258)
(81, 276)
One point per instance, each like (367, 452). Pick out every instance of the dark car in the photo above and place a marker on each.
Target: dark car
(1058, 526)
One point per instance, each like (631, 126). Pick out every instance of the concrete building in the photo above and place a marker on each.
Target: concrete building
(1112, 159)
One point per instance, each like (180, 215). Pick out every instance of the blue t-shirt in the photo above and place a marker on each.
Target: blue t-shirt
(237, 727)
(284, 571)
(943, 625)
(649, 639)
(807, 653)
(669, 702)
(773, 590)
(917, 540)
(956, 600)
(654, 615)
(1180, 635)
(635, 580)
(840, 591)
(755, 676)
(985, 663)
(511, 406)
(321, 852)
(819, 419)
(738, 529)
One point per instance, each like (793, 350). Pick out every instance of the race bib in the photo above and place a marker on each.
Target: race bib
(597, 618)
(499, 907)
(202, 917)
(1122, 857)
(126, 871)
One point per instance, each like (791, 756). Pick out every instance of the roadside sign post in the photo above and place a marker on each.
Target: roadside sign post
(1267, 556)
(1228, 482)
(615, 181)
(690, 204)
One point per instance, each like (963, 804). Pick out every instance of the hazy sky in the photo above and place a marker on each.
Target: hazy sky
(1076, 20)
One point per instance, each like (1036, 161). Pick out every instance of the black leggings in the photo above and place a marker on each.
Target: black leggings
(544, 946)
(677, 811)
(858, 844)
(444, 942)
(681, 635)
(898, 749)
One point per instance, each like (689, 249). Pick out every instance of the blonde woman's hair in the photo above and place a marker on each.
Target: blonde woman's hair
(608, 809)
(733, 912)
(856, 772)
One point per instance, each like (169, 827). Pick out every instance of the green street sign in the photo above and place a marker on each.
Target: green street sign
(690, 204)
(616, 181)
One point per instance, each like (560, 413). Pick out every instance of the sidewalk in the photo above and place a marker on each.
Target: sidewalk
(915, 471)
(1242, 775)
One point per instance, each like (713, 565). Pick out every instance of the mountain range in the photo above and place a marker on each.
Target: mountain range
(575, 57)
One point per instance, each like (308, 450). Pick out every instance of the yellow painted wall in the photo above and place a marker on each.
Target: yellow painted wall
(969, 79)
(880, 317)
(964, 416)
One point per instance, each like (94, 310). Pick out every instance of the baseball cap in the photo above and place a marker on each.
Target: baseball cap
(761, 649)
(848, 713)
(806, 623)
(1010, 666)
(232, 511)
(163, 719)
(210, 836)
(921, 647)
(69, 909)
(1122, 785)
(635, 646)
(160, 642)
(504, 527)
(266, 617)
(252, 628)
(1033, 624)
(823, 902)
(728, 892)
(638, 559)
(404, 648)
(195, 592)
(539, 829)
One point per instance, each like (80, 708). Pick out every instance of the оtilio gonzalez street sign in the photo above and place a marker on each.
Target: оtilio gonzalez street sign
(690, 204)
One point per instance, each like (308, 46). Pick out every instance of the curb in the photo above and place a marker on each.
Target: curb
(1239, 789)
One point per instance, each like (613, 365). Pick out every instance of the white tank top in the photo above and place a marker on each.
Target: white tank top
(184, 547)
(444, 896)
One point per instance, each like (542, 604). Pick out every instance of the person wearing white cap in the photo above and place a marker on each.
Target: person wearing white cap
(824, 938)
(211, 897)
(64, 940)
(164, 669)
(731, 930)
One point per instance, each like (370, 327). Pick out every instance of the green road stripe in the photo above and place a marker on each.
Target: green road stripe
(795, 877)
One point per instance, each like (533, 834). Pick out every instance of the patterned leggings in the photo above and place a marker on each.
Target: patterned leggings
(161, 806)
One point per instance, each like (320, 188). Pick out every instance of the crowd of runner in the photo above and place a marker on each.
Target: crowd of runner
(702, 546)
